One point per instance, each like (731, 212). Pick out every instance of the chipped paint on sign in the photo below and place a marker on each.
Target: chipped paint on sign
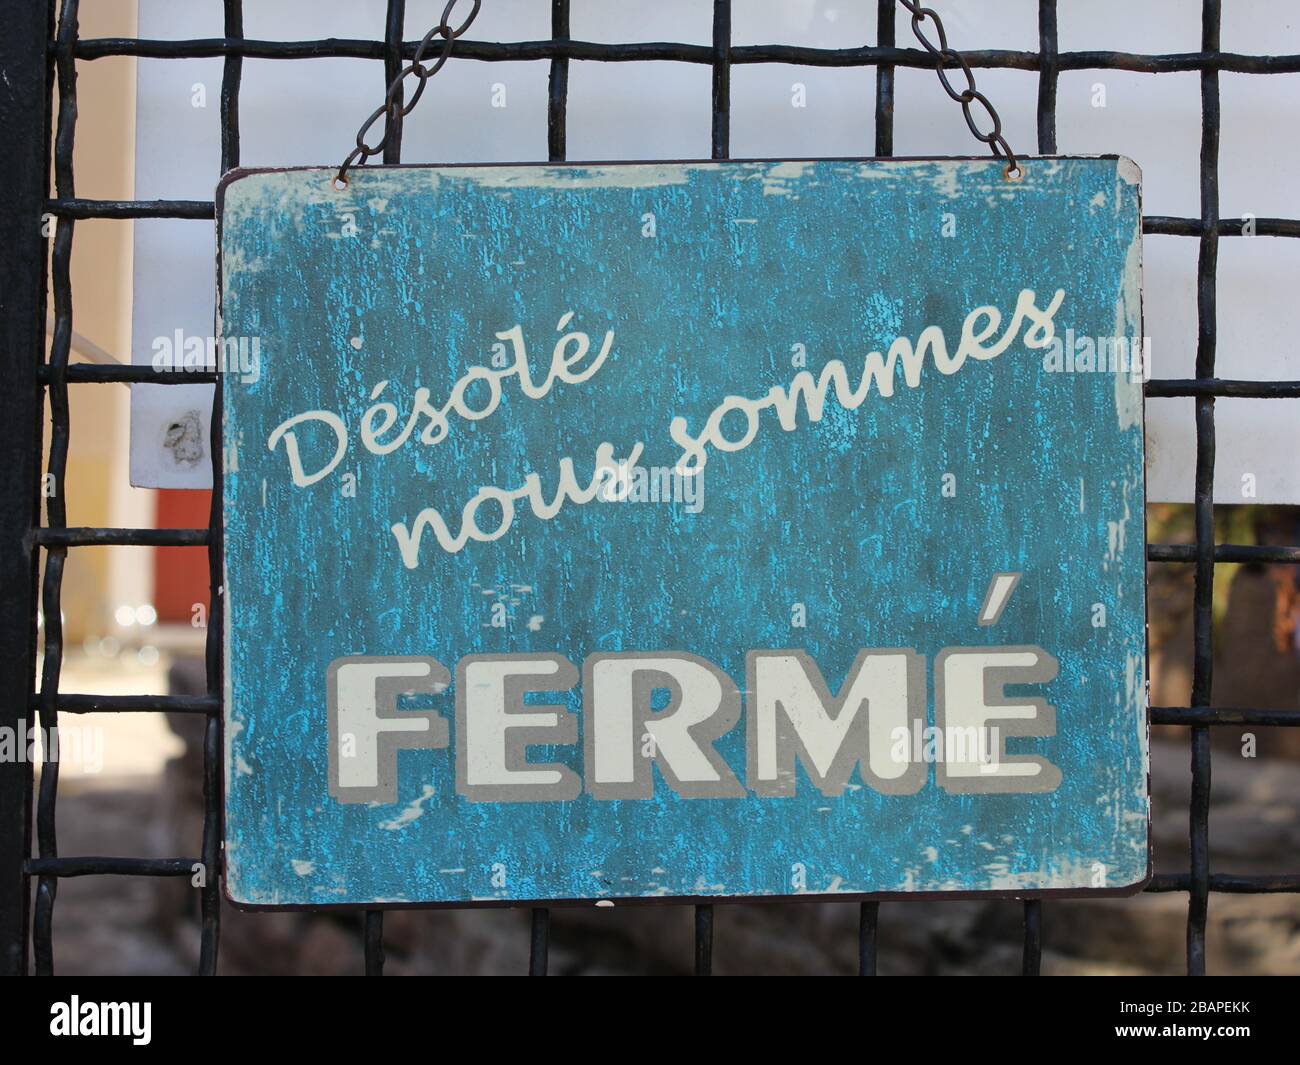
(630, 531)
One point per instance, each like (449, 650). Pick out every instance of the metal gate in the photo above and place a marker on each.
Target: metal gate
(39, 53)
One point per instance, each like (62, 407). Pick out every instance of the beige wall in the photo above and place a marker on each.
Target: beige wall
(97, 580)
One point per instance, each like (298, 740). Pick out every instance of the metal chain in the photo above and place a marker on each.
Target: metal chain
(944, 57)
(391, 107)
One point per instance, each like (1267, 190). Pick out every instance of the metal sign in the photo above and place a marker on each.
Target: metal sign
(706, 529)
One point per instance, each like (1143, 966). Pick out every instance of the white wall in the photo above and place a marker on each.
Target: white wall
(307, 113)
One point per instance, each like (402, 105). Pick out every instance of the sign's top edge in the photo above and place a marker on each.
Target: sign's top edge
(1127, 168)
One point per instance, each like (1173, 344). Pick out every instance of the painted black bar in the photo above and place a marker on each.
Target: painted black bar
(394, 25)
(100, 374)
(1203, 589)
(721, 147)
(1223, 715)
(1152, 225)
(373, 933)
(885, 38)
(1230, 883)
(1031, 961)
(664, 51)
(1224, 552)
(56, 503)
(868, 927)
(1048, 76)
(539, 946)
(112, 866)
(1213, 386)
(557, 108)
(75, 207)
(704, 940)
(1166, 226)
(210, 891)
(557, 89)
(25, 122)
(59, 538)
(132, 704)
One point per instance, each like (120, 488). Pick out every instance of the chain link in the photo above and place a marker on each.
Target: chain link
(945, 57)
(391, 106)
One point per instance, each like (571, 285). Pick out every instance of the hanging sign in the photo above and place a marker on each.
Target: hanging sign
(708, 529)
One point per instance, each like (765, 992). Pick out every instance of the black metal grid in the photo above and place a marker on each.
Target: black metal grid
(39, 54)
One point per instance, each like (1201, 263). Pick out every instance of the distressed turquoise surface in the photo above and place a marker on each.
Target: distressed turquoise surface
(845, 516)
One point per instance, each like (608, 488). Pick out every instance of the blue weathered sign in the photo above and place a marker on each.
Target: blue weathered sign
(607, 532)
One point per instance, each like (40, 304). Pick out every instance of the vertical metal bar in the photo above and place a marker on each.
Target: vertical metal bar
(885, 38)
(721, 79)
(394, 27)
(394, 32)
(232, 70)
(1203, 594)
(540, 942)
(868, 919)
(210, 893)
(721, 149)
(56, 511)
(373, 932)
(557, 107)
(1048, 74)
(704, 940)
(25, 124)
(1032, 958)
(558, 88)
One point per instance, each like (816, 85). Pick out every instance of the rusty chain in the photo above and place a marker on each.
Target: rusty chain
(943, 57)
(392, 107)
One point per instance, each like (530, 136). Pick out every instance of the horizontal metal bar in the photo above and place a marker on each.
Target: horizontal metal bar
(79, 208)
(101, 373)
(63, 867)
(1159, 225)
(1014, 60)
(1214, 386)
(1222, 715)
(131, 704)
(209, 47)
(208, 704)
(1225, 553)
(515, 51)
(1152, 225)
(1229, 883)
(1169, 63)
(1168, 226)
(88, 537)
